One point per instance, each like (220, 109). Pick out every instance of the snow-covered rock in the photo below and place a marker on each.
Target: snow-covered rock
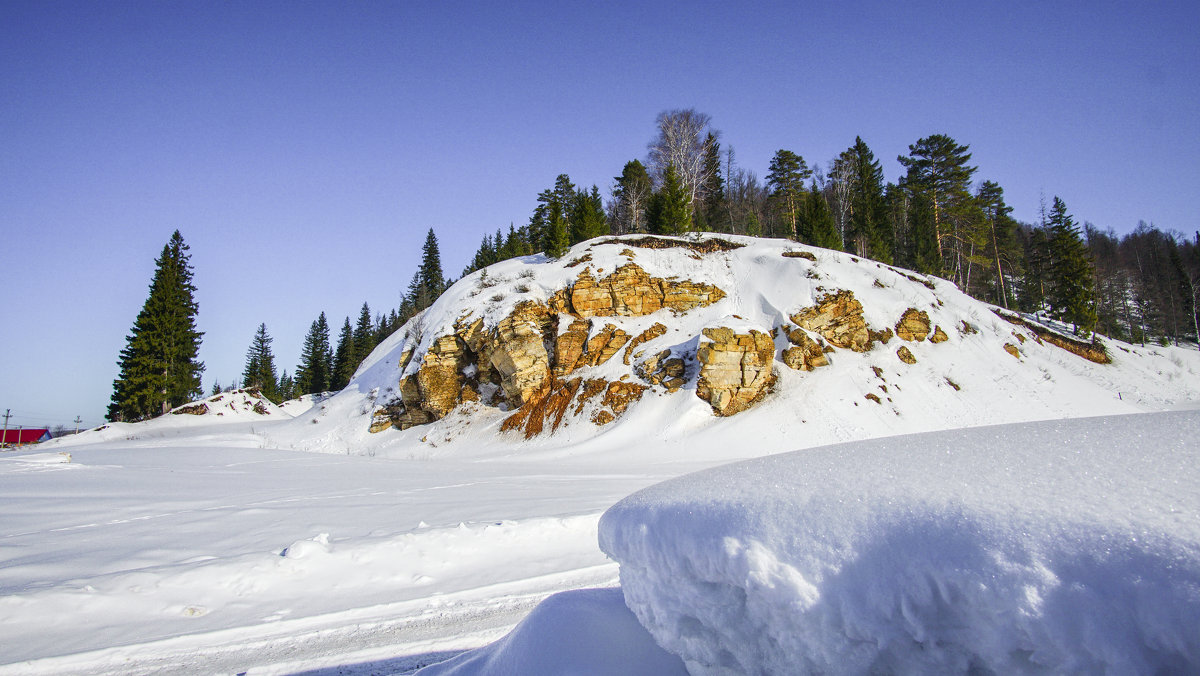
(1060, 547)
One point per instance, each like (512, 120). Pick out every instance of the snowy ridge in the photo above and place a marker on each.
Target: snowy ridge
(1060, 547)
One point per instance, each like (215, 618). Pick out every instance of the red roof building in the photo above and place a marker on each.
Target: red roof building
(17, 437)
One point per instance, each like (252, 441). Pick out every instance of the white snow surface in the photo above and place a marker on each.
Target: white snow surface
(297, 541)
(1057, 547)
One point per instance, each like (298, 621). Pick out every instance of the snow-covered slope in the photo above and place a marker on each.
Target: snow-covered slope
(973, 378)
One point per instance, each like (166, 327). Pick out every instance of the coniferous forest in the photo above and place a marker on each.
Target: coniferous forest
(942, 217)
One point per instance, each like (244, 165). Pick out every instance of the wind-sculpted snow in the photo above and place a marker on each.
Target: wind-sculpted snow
(1061, 547)
(586, 631)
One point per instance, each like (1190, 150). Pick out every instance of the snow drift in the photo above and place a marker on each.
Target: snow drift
(1059, 547)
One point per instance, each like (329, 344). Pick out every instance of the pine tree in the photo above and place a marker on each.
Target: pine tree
(314, 373)
(159, 370)
(364, 337)
(816, 223)
(999, 241)
(260, 366)
(588, 219)
(785, 176)
(1070, 270)
(287, 387)
(558, 239)
(939, 173)
(431, 281)
(867, 231)
(672, 215)
(343, 358)
(712, 212)
(631, 195)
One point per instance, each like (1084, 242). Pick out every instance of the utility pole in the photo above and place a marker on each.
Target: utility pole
(7, 415)
(77, 421)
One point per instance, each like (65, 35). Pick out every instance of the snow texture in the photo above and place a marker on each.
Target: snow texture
(587, 631)
(1061, 547)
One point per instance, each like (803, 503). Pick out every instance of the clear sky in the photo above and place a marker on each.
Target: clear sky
(304, 148)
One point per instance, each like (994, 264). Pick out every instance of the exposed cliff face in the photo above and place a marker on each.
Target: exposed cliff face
(570, 344)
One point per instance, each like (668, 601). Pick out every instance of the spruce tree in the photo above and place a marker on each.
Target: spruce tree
(287, 388)
(343, 357)
(588, 218)
(260, 366)
(313, 375)
(558, 239)
(939, 173)
(712, 213)
(1070, 270)
(364, 337)
(431, 279)
(785, 177)
(159, 369)
(816, 223)
(867, 232)
(672, 215)
(632, 196)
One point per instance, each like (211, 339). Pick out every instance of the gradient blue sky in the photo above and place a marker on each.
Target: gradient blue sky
(303, 148)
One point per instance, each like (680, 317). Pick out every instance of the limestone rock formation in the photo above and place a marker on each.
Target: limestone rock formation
(906, 355)
(913, 325)
(663, 369)
(939, 336)
(838, 318)
(735, 369)
(631, 292)
(805, 354)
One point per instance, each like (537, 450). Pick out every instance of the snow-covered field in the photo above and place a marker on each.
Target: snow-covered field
(291, 540)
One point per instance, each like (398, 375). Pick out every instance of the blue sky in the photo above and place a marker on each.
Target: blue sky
(304, 148)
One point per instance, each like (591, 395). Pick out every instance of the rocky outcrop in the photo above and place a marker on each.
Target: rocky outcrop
(805, 354)
(524, 361)
(913, 325)
(655, 331)
(663, 369)
(631, 292)
(939, 336)
(906, 355)
(735, 369)
(519, 354)
(838, 318)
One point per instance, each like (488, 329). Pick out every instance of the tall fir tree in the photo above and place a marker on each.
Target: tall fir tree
(1070, 270)
(785, 177)
(314, 373)
(159, 369)
(259, 372)
(1000, 242)
(867, 232)
(939, 176)
(287, 387)
(588, 218)
(816, 224)
(631, 196)
(712, 212)
(343, 357)
(430, 278)
(671, 212)
(364, 336)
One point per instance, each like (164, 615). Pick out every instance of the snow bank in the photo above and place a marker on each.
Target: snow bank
(587, 631)
(1061, 547)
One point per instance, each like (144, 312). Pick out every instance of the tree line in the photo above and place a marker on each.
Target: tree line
(938, 218)
(159, 369)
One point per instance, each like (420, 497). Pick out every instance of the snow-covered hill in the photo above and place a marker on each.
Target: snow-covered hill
(988, 370)
(213, 542)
